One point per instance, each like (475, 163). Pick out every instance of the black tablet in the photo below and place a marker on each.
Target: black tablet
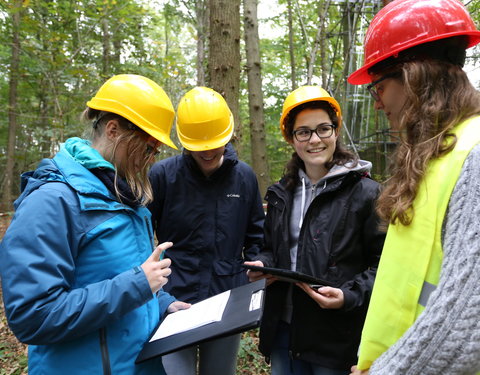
(290, 276)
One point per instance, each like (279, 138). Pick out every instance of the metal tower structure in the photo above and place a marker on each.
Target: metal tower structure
(366, 130)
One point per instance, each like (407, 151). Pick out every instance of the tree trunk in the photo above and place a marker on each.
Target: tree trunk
(106, 47)
(350, 22)
(323, 43)
(201, 13)
(291, 46)
(6, 204)
(224, 55)
(319, 43)
(255, 95)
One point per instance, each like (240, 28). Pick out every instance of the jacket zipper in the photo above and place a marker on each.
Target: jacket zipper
(104, 349)
(150, 235)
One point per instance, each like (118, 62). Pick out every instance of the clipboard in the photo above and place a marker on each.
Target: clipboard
(243, 312)
(290, 276)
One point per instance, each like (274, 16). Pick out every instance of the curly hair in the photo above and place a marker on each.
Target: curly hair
(341, 155)
(438, 97)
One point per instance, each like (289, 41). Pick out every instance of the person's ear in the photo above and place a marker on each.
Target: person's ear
(112, 129)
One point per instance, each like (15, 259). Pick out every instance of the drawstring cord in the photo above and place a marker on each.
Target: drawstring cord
(302, 209)
(303, 203)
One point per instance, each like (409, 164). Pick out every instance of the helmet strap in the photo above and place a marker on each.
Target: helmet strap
(99, 117)
(124, 121)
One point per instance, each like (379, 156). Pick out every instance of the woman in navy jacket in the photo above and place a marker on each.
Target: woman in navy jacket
(80, 283)
(207, 203)
(321, 222)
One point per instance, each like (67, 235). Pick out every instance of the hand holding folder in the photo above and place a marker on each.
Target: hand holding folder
(199, 314)
(243, 311)
(289, 276)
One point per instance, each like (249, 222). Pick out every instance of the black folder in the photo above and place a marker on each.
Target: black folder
(237, 317)
(291, 276)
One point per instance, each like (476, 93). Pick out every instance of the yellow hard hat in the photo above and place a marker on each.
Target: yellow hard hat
(306, 94)
(204, 121)
(139, 100)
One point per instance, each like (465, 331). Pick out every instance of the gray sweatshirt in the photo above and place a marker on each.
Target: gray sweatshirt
(445, 339)
(304, 194)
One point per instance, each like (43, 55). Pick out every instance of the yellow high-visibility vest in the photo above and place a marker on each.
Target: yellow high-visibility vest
(410, 264)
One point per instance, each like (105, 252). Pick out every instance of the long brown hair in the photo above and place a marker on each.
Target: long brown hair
(341, 155)
(135, 140)
(438, 97)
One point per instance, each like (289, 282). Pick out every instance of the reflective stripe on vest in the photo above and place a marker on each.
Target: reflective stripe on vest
(410, 264)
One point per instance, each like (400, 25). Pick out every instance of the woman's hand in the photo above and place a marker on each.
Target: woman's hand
(157, 270)
(326, 296)
(177, 306)
(256, 275)
(355, 371)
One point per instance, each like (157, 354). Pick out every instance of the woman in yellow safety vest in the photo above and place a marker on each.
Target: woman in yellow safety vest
(423, 315)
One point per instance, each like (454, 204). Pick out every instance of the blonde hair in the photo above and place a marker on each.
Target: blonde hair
(134, 138)
(438, 97)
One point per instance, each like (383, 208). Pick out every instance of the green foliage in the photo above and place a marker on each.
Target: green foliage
(69, 48)
(250, 360)
(13, 355)
(7, 358)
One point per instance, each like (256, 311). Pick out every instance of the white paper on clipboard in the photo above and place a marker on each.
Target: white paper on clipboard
(199, 314)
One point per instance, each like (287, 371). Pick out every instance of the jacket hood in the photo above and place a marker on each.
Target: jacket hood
(305, 192)
(82, 152)
(363, 166)
(71, 166)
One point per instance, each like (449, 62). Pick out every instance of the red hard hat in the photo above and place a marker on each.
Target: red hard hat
(403, 24)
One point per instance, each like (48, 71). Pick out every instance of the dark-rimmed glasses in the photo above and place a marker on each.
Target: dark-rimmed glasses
(151, 151)
(322, 131)
(371, 87)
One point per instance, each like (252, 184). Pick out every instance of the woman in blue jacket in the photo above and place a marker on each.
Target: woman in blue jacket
(321, 222)
(80, 283)
(207, 203)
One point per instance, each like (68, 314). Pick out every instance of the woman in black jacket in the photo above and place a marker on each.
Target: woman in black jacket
(207, 203)
(321, 222)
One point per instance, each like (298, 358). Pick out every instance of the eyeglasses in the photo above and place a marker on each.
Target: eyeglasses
(149, 151)
(371, 87)
(322, 131)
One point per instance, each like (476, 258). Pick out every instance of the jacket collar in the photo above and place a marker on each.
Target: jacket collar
(75, 159)
(331, 181)
(69, 166)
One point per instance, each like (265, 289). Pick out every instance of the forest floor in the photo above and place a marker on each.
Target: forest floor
(13, 354)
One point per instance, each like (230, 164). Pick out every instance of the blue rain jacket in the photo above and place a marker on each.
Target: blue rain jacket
(70, 263)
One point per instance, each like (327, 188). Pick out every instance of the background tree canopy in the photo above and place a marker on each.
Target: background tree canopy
(54, 55)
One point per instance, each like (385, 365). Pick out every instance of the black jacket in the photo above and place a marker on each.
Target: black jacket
(215, 223)
(340, 242)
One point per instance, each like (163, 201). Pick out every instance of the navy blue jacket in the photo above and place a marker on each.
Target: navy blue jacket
(215, 223)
